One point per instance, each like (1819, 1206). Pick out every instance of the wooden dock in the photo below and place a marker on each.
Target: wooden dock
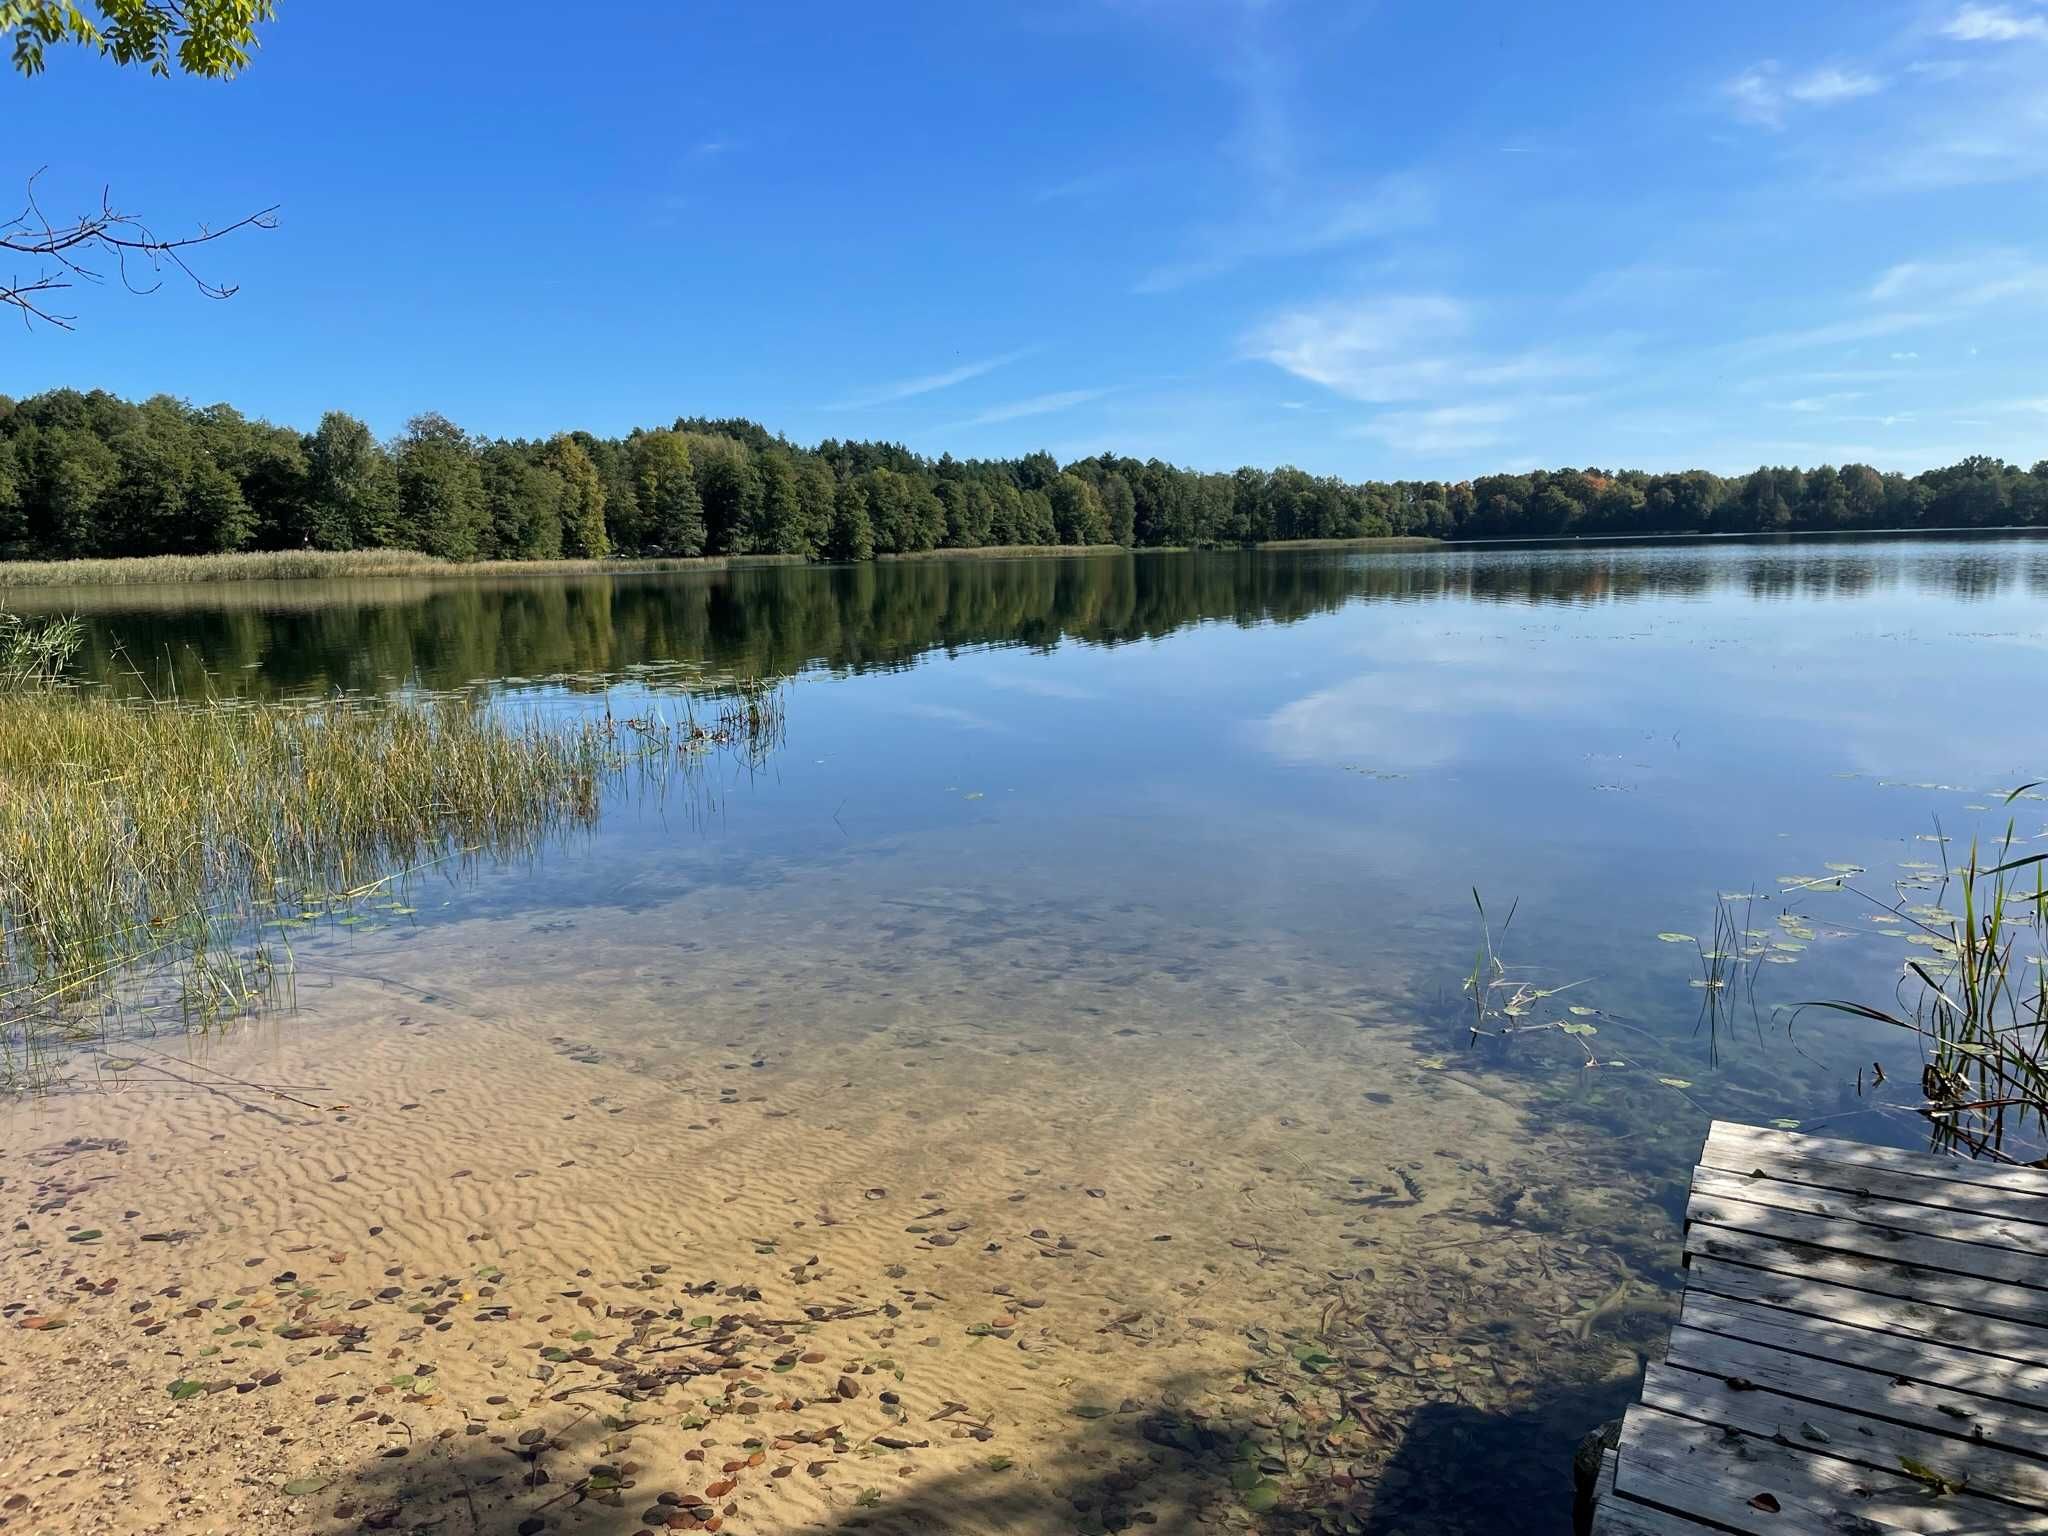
(1863, 1348)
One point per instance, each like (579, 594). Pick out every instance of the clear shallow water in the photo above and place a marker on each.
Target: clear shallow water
(1329, 747)
(1236, 806)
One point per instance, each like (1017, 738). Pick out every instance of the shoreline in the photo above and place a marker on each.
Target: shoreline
(290, 566)
(389, 564)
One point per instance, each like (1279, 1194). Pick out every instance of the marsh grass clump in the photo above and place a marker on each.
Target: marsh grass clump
(1975, 998)
(34, 652)
(154, 856)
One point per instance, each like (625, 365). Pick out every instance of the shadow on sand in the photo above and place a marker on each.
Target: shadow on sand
(1454, 1471)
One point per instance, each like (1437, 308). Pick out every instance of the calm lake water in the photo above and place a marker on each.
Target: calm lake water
(1241, 803)
(1328, 751)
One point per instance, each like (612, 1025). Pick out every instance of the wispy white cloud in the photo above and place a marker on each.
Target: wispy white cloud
(1319, 222)
(1834, 333)
(1825, 87)
(1814, 404)
(1763, 94)
(930, 383)
(1641, 282)
(1994, 24)
(1036, 405)
(1987, 277)
(1441, 429)
(1373, 349)
(1388, 348)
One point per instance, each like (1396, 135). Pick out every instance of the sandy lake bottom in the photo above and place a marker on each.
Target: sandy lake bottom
(849, 1236)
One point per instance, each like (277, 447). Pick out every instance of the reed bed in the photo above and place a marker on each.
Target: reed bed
(155, 857)
(1977, 1004)
(324, 565)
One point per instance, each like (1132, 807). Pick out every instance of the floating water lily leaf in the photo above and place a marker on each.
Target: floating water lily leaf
(1576, 1028)
(1090, 1411)
(1675, 1082)
(89, 1235)
(1677, 938)
(298, 1487)
(1786, 1125)
(181, 1389)
(1433, 1063)
(1583, 1011)
(1846, 869)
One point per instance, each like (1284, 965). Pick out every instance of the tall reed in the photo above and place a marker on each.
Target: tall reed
(1977, 1006)
(155, 855)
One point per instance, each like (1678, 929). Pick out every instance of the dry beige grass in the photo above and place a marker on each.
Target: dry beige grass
(323, 565)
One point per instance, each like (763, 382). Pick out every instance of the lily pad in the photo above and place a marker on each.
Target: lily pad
(298, 1487)
(1677, 938)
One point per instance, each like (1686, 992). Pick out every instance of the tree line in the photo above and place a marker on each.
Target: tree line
(89, 474)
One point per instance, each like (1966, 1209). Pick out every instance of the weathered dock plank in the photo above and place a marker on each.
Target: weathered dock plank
(1862, 1348)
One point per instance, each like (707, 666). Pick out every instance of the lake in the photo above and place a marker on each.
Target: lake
(1066, 1022)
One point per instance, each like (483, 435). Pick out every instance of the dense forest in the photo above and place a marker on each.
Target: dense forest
(93, 475)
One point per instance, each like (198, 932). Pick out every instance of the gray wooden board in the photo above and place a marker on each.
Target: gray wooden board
(1712, 1235)
(1874, 1394)
(1905, 1316)
(1758, 1141)
(1891, 1245)
(1874, 1347)
(1679, 1463)
(1885, 1182)
(2003, 1233)
(1846, 1434)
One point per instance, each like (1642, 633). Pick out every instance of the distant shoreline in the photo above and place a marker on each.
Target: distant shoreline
(395, 564)
(379, 564)
(1736, 536)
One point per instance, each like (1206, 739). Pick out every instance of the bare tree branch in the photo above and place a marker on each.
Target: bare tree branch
(105, 237)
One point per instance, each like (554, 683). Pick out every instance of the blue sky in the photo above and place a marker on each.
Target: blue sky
(1369, 239)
